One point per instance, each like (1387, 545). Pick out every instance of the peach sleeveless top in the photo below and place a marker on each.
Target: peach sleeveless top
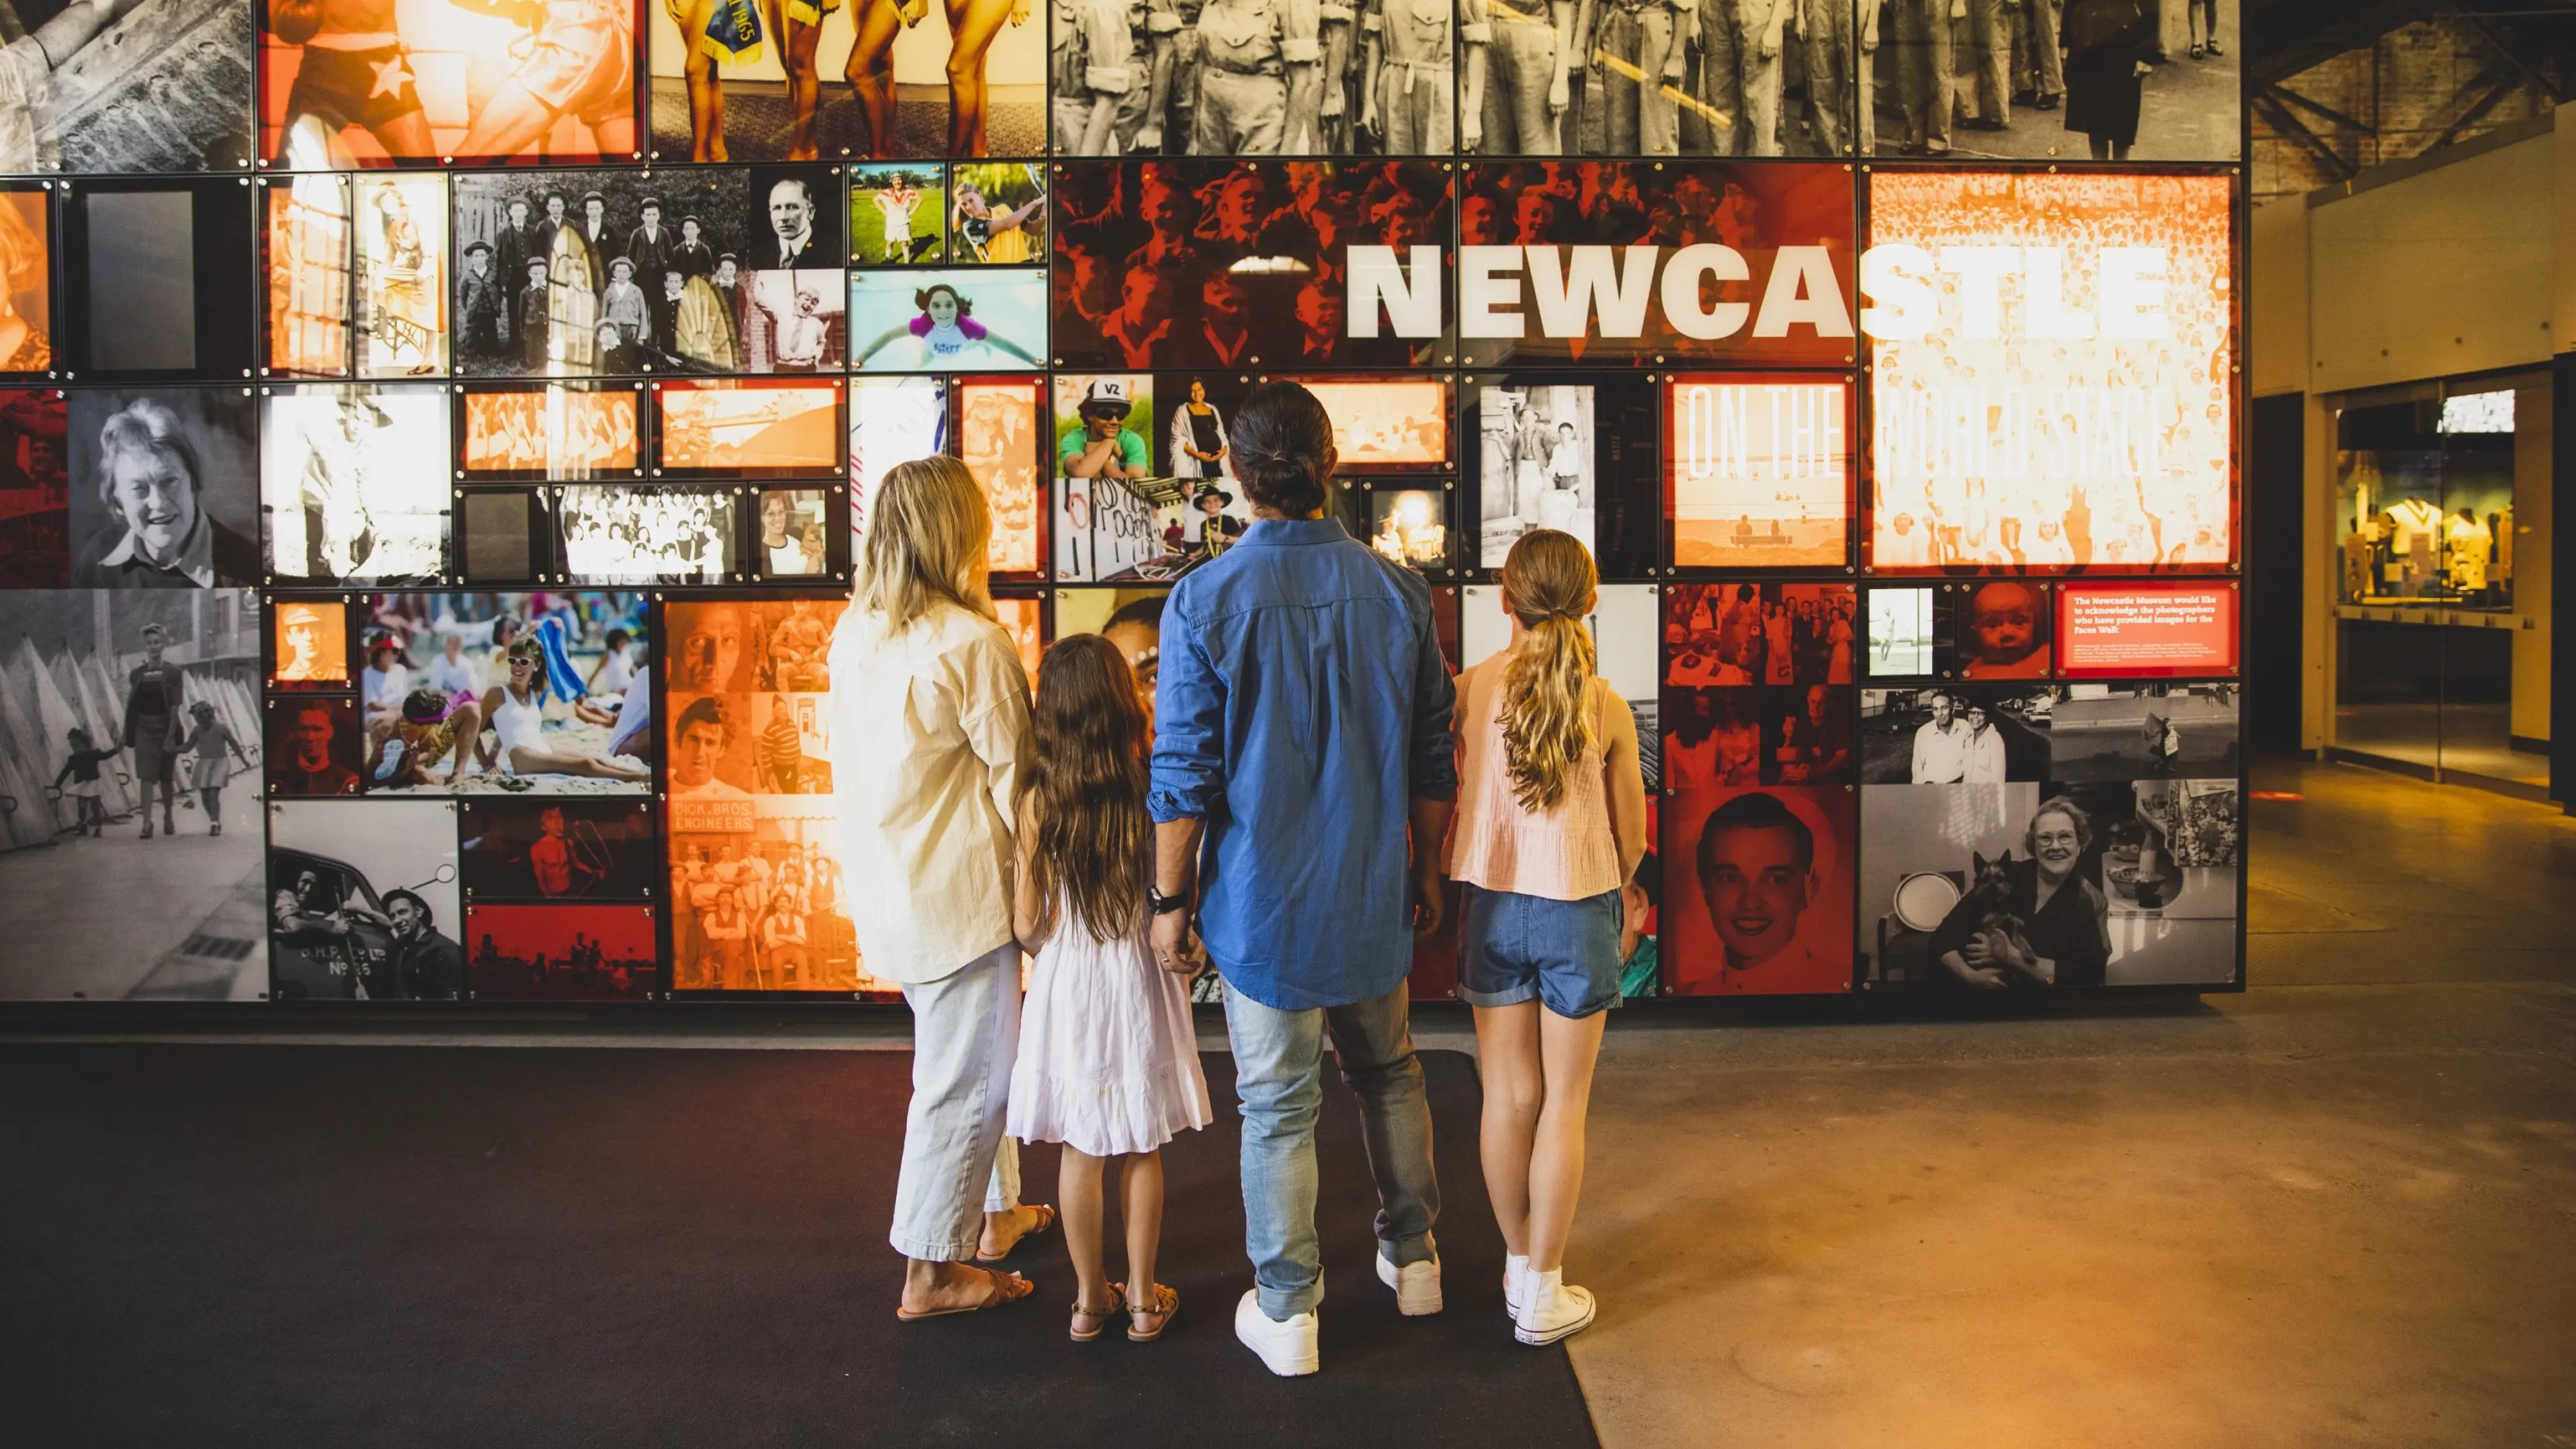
(1564, 854)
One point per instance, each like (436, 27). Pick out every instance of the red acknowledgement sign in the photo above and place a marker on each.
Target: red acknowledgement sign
(2131, 631)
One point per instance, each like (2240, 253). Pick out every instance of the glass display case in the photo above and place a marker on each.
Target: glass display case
(2425, 541)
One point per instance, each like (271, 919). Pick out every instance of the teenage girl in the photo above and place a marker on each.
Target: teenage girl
(1109, 1062)
(1551, 824)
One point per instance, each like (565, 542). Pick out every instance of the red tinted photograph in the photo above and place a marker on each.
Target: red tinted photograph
(1186, 264)
(561, 953)
(1760, 890)
(35, 492)
(1749, 263)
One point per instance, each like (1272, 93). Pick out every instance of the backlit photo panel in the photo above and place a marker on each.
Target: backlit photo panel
(1714, 261)
(1759, 469)
(35, 490)
(569, 432)
(768, 429)
(998, 437)
(402, 265)
(2100, 80)
(160, 278)
(305, 242)
(896, 214)
(745, 82)
(418, 81)
(1758, 890)
(2052, 388)
(1758, 78)
(362, 901)
(997, 212)
(160, 86)
(485, 693)
(353, 482)
(166, 487)
(26, 280)
(562, 952)
(1204, 264)
(109, 759)
(947, 321)
(605, 272)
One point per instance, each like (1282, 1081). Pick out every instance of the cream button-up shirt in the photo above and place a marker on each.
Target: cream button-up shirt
(929, 729)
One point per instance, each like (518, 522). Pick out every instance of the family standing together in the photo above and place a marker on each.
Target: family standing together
(1303, 743)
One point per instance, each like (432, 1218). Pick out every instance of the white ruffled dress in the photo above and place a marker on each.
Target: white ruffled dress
(1109, 1060)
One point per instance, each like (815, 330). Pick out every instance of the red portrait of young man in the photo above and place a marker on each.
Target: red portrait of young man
(1759, 887)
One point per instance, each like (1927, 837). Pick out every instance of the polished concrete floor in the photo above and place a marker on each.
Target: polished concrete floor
(2334, 1211)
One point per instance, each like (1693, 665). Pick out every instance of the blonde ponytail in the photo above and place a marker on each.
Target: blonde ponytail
(1549, 584)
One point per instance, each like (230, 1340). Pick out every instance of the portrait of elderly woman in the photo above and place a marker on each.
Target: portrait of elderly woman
(2032, 921)
(163, 485)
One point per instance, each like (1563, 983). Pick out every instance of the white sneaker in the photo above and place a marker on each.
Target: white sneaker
(1552, 1309)
(1515, 1283)
(1286, 1349)
(1416, 1285)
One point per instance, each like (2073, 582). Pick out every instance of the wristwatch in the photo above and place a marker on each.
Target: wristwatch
(1163, 905)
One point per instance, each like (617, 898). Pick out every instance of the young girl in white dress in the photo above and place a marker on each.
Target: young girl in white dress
(1109, 1062)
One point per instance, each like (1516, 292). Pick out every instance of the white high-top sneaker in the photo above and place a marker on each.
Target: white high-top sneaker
(1286, 1349)
(1515, 1282)
(1416, 1285)
(1552, 1309)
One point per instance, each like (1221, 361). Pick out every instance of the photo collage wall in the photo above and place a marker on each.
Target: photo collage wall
(433, 442)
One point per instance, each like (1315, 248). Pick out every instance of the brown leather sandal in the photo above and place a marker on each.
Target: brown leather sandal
(1165, 1304)
(1003, 1290)
(1088, 1325)
(1046, 1222)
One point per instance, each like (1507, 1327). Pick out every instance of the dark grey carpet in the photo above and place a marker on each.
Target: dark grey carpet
(345, 1246)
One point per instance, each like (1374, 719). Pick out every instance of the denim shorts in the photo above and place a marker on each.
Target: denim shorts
(1564, 953)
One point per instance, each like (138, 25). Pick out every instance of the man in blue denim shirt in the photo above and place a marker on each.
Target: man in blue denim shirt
(1302, 737)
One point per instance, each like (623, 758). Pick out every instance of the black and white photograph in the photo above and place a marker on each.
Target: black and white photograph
(314, 746)
(130, 736)
(362, 902)
(402, 258)
(1623, 624)
(540, 281)
(892, 420)
(353, 483)
(631, 536)
(498, 531)
(165, 490)
(2051, 80)
(795, 533)
(494, 694)
(2146, 732)
(1256, 78)
(1940, 867)
(163, 85)
(1909, 631)
(1537, 466)
(1748, 78)
(1975, 734)
(794, 321)
(793, 218)
(2163, 856)
(558, 850)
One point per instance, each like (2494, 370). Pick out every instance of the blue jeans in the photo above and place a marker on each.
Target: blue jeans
(1278, 1072)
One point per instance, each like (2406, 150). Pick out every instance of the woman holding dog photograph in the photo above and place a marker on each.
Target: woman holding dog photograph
(2035, 921)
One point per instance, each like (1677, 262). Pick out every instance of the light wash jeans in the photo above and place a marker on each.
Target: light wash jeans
(1278, 1072)
(965, 1035)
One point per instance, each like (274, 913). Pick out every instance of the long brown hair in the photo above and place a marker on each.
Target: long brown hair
(1086, 778)
(1550, 584)
(928, 528)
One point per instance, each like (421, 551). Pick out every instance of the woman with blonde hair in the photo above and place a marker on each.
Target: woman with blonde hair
(930, 729)
(1551, 824)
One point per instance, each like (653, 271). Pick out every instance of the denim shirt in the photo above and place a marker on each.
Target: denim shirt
(1303, 704)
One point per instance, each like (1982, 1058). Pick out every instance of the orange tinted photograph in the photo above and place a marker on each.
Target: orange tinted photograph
(310, 643)
(751, 429)
(1387, 424)
(999, 439)
(555, 432)
(27, 269)
(346, 83)
(307, 240)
